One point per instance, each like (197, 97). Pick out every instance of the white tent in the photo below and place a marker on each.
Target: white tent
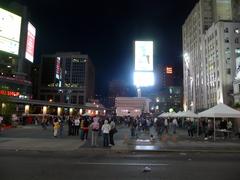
(179, 114)
(189, 114)
(220, 111)
(164, 115)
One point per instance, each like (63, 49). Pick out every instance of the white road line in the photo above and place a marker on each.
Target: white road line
(121, 164)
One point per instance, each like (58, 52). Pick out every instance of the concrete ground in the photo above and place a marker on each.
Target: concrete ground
(33, 137)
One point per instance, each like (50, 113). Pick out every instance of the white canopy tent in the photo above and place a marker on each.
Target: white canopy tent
(189, 114)
(220, 111)
(165, 114)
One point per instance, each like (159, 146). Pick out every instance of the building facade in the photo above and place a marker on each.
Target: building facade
(197, 56)
(131, 106)
(15, 66)
(67, 77)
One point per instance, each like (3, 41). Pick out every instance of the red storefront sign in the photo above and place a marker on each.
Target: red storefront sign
(9, 93)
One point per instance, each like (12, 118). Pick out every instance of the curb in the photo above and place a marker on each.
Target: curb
(99, 150)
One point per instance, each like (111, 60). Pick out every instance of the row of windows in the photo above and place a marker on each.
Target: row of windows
(237, 31)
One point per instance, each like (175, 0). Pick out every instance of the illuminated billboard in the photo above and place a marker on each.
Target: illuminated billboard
(29, 54)
(143, 79)
(58, 70)
(10, 27)
(143, 55)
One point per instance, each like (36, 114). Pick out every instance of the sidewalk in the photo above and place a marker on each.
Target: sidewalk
(34, 138)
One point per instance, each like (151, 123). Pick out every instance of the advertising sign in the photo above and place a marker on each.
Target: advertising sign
(143, 79)
(10, 27)
(169, 70)
(58, 70)
(143, 55)
(29, 54)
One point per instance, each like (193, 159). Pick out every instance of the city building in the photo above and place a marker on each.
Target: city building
(131, 106)
(169, 98)
(200, 50)
(118, 88)
(67, 77)
(222, 51)
(167, 76)
(17, 36)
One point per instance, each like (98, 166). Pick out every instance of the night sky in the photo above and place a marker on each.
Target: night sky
(106, 29)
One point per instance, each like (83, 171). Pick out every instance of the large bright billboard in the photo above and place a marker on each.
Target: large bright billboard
(29, 54)
(10, 28)
(143, 79)
(143, 55)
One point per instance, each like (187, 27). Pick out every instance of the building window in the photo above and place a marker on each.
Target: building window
(74, 99)
(228, 71)
(237, 31)
(236, 40)
(226, 40)
(226, 30)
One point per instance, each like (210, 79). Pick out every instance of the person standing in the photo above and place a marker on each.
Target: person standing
(95, 128)
(76, 126)
(85, 129)
(56, 126)
(112, 132)
(174, 125)
(105, 130)
(61, 123)
(166, 125)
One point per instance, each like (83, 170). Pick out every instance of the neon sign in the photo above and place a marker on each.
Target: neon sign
(169, 70)
(9, 93)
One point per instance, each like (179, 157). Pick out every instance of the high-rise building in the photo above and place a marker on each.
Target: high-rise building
(67, 77)
(17, 36)
(203, 48)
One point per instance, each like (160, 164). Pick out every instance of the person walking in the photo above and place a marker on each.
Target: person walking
(56, 126)
(105, 130)
(95, 128)
(112, 132)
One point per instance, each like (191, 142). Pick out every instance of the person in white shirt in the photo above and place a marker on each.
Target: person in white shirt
(166, 125)
(76, 126)
(175, 125)
(105, 130)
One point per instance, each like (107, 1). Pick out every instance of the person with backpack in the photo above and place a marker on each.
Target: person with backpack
(95, 128)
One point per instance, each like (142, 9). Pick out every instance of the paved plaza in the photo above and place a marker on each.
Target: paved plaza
(32, 137)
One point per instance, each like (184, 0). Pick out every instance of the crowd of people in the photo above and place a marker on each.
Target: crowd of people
(82, 125)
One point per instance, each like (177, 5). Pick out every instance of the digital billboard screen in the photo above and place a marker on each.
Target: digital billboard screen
(58, 68)
(143, 79)
(29, 54)
(10, 27)
(143, 55)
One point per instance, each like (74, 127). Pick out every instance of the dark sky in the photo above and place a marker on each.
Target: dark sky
(106, 29)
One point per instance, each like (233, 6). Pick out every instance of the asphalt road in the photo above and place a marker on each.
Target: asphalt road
(33, 165)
